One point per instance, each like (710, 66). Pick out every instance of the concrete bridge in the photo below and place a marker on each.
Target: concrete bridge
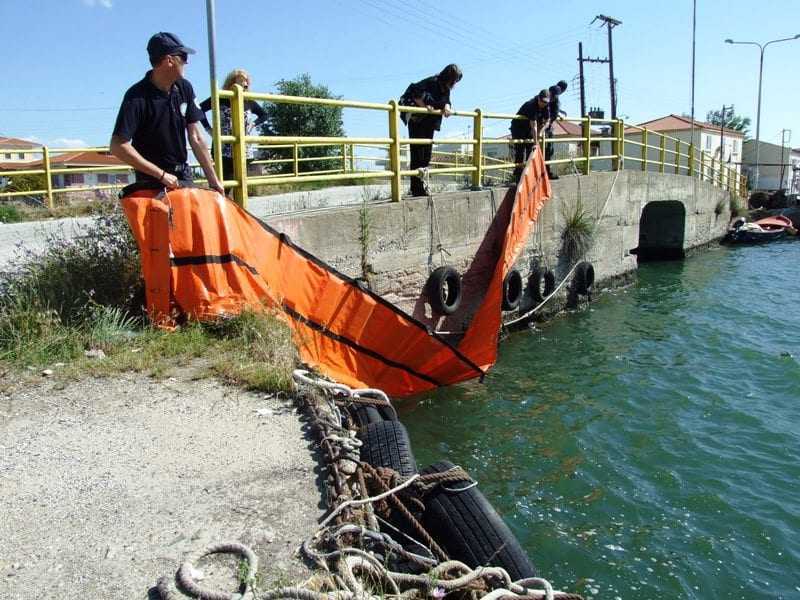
(394, 246)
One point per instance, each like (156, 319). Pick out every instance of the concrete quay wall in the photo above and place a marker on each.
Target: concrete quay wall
(395, 246)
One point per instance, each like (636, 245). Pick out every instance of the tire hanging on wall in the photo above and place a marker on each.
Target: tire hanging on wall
(469, 528)
(512, 290)
(386, 444)
(443, 290)
(535, 280)
(584, 278)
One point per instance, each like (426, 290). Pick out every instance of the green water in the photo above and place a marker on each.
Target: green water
(648, 446)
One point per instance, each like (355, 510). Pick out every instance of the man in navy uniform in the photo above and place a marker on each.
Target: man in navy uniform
(537, 113)
(156, 113)
(555, 114)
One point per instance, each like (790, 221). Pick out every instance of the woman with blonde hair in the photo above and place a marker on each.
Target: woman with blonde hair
(254, 115)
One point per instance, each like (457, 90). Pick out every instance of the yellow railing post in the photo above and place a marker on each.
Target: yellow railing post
(645, 150)
(662, 153)
(394, 150)
(48, 180)
(239, 146)
(677, 156)
(702, 165)
(691, 160)
(295, 159)
(477, 149)
(216, 131)
(352, 158)
(586, 133)
(344, 158)
(616, 145)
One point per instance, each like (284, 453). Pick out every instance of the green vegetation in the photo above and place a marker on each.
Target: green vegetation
(732, 121)
(576, 239)
(26, 183)
(9, 213)
(365, 234)
(304, 120)
(85, 294)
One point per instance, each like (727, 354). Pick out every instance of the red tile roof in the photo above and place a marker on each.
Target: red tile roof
(82, 158)
(679, 123)
(16, 166)
(566, 129)
(10, 142)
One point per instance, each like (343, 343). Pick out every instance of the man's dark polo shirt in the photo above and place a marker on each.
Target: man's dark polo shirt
(155, 123)
(531, 109)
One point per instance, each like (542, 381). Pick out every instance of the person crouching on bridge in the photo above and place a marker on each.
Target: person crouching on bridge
(156, 112)
(254, 115)
(432, 93)
(537, 113)
(555, 114)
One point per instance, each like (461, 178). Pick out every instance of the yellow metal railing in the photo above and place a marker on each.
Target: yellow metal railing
(602, 145)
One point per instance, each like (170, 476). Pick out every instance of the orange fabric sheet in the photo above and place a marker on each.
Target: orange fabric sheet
(203, 256)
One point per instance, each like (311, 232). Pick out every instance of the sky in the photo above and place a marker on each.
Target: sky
(67, 63)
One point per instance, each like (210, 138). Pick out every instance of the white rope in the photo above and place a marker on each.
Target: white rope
(369, 500)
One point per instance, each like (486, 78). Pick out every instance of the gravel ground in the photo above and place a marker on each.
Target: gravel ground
(107, 484)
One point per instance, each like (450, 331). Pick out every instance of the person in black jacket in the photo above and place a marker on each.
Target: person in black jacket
(555, 114)
(432, 93)
(254, 115)
(537, 114)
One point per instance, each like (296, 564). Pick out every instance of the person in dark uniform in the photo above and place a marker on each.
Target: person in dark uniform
(537, 114)
(254, 115)
(154, 118)
(432, 93)
(555, 114)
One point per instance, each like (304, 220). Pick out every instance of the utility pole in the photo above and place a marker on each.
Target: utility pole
(580, 71)
(784, 158)
(722, 133)
(582, 60)
(610, 24)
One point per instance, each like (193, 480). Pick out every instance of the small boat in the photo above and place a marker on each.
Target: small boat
(777, 222)
(757, 232)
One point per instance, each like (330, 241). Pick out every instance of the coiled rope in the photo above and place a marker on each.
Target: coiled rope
(357, 561)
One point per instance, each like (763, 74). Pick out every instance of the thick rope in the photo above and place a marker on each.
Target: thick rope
(363, 572)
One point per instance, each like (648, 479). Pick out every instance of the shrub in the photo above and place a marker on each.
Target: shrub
(98, 267)
(74, 292)
(9, 214)
(576, 239)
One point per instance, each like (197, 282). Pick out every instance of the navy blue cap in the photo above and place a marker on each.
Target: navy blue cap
(164, 43)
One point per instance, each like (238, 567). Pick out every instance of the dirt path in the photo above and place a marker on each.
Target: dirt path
(107, 484)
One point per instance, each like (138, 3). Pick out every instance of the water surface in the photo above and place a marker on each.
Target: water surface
(648, 446)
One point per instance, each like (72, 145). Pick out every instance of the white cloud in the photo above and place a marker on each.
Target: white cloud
(68, 143)
(62, 142)
(103, 3)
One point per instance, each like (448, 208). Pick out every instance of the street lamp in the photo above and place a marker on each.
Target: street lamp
(762, 47)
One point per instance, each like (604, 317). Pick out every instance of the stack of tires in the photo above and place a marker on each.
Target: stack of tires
(456, 515)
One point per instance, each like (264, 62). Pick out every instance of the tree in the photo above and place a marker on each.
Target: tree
(26, 183)
(304, 120)
(732, 121)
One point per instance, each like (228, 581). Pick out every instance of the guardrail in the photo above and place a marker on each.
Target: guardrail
(606, 148)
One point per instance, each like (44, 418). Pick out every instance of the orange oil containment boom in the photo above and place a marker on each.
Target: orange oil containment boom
(203, 257)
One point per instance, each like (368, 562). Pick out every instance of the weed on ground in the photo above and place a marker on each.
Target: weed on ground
(78, 304)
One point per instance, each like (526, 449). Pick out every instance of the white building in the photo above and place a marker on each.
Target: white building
(779, 166)
(714, 142)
